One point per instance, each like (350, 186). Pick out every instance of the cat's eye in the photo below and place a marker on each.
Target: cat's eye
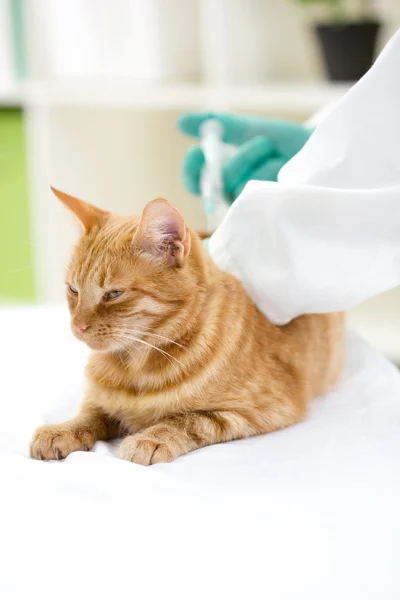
(112, 295)
(73, 290)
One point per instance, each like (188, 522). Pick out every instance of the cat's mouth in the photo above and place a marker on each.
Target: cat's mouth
(94, 343)
(99, 346)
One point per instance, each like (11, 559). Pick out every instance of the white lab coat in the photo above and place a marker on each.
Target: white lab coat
(327, 235)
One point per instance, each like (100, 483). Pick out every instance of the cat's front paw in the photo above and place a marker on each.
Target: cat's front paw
(54, 442)
(143, 450)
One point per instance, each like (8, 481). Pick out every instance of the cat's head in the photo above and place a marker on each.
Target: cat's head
(130, 276)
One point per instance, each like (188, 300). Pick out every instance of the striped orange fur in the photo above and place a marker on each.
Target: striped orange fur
(182, 358)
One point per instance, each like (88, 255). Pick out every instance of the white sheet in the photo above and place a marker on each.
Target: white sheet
(311, 512)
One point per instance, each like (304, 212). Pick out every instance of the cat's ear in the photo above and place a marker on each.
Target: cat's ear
(88, 214)
(163, 233)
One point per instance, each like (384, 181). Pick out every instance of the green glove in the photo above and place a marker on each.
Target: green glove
(265, 145)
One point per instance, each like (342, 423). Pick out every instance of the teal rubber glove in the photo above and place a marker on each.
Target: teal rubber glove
(264, 146)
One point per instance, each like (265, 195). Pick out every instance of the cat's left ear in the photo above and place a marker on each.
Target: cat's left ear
(163, 233)
(88, 214)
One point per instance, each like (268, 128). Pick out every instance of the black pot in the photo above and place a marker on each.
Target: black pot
(348, 49)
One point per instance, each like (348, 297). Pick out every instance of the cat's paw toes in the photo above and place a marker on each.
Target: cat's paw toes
(52, 442)
(145, 451)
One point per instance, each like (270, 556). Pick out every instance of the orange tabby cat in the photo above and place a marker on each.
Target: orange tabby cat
(182, 358)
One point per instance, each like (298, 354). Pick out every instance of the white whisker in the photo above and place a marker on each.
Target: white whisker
(145, 332)
(119, 351)
(124, 335)
(132, 357)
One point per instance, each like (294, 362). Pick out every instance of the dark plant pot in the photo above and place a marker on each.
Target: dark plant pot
(348, 49)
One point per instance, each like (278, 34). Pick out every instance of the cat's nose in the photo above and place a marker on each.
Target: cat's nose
(80, 327)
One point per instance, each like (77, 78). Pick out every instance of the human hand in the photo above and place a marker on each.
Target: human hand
(264, 146)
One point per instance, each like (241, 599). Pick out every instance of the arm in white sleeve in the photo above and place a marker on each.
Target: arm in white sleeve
(327, 235)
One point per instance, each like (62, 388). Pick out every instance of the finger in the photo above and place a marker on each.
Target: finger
(241, 166)
(270, 170)
(234, 127)
(267, 172)
(193, 163)
(287, 137)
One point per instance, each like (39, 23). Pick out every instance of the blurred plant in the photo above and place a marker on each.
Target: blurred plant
(339, 11)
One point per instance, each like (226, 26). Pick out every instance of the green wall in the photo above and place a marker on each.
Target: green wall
(16, 275)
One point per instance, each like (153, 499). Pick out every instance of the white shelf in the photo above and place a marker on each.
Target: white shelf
(11, 94)
(294, 98)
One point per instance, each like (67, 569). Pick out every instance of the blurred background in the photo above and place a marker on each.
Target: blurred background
(90, 91)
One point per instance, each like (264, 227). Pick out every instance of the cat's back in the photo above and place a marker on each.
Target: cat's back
(320, 340)
(309, 348)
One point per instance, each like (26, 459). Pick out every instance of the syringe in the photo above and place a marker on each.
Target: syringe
(211, 181)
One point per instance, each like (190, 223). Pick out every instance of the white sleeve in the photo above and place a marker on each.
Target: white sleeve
(327, 236)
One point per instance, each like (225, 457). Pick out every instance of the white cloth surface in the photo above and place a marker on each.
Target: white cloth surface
(327, 235)
(306, 513)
